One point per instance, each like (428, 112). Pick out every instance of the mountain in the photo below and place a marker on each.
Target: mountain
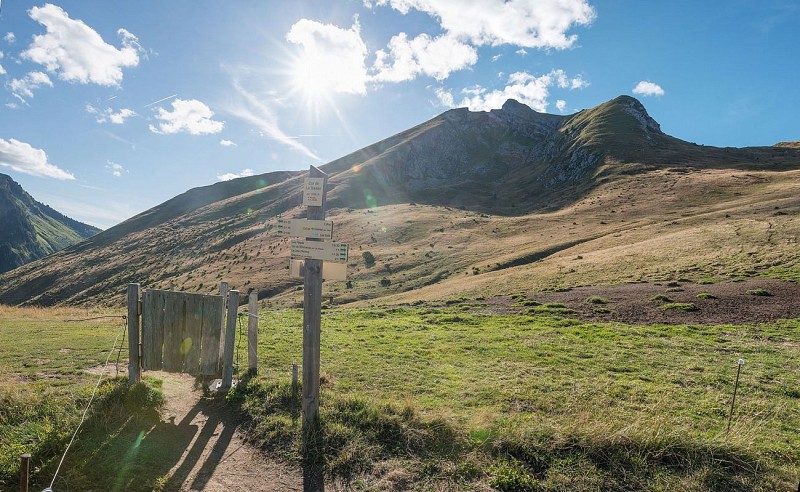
(31, 229)
(467, 203)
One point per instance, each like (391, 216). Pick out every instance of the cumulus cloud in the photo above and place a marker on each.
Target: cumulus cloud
(23, 158)
(108, 114)
(522, 86)
(561, 105)
(76, 52)
(521, 52)
(436, 57)
(230, 176)
(331, 52)
(228, 143)
(2, 70)
(190, 116)
(24, 87)
(10, 37)
(647, 88)
(524, 23)
(115, 168)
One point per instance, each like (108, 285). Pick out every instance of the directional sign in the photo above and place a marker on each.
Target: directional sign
(335, 252)
(312, 192)
(316, 229)
(330, 270)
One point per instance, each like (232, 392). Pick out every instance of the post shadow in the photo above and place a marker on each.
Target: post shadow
(313, 458)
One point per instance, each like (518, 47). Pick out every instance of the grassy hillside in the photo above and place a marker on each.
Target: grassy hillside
(439, 396)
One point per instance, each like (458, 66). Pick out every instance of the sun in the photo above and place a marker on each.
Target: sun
(313, 76)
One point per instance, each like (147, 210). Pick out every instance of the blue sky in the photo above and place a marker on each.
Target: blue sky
(109, 107)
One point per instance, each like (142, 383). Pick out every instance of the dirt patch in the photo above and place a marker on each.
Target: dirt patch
(722, 303)
(215, 457)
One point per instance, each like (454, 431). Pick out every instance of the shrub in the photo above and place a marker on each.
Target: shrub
(369, 258)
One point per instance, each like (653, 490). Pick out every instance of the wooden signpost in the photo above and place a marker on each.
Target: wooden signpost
(313, 252)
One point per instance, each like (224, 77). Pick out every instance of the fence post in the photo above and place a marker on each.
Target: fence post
(230, 340)
(134, 360)
(223, 291)
(24, 471)
(252, 334)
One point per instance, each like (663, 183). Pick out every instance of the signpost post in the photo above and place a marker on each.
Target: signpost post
(314, 197)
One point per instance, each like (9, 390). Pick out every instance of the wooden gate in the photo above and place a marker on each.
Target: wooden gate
(181, 332)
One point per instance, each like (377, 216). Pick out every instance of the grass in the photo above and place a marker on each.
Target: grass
(759, 292)
(596, 300)
(536, 399)
(705, 295)
(661, 298)
(440, 397)
(679, 306)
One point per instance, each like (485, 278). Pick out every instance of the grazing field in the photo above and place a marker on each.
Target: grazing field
(455, 397)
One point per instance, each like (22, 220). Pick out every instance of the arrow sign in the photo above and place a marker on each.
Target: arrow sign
(335, 252)
(316, 229)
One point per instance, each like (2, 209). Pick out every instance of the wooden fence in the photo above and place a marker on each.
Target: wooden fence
(182, 332)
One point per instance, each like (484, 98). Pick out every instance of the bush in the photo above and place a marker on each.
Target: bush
(369, 258)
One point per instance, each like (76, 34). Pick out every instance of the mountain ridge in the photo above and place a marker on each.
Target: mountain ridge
(503, 169)
(32, 230)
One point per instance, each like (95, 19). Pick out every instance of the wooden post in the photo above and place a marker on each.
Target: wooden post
(230, 340)
(24, 472)
(134, 360)
(312, 317)
(252, 334)
(223, 291)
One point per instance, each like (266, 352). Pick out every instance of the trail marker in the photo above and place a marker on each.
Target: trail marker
(330, 270)
(316, 229)
(313, 191)
(335, 252)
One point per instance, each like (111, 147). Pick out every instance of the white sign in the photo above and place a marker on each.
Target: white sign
(330, 270)
(316, 229)
(335, 252)
(312, 192)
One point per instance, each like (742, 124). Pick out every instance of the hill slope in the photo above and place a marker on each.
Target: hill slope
(31, 229)
(475, 203)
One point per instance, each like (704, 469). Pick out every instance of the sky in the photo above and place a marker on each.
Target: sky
(110, 107)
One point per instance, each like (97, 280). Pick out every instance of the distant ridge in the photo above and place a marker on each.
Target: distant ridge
(32, 230)
(462, 193)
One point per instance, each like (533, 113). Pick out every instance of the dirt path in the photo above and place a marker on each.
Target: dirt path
(215, 458)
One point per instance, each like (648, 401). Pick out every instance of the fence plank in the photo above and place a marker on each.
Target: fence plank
(213, 314)
(230, 340)
(173, 312)
(192, 334)
(134, 360)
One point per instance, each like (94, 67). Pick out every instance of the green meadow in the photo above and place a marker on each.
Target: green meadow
(451, 397)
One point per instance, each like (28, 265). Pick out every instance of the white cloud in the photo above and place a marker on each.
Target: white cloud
(115, 168)
(445, 97)
(436, 57)
(330, 52)
(522, 86)
(2, 70)
(496, 57)
(24, 158)
(190, 116)
(228, 143)
(108, 114)
(521, 52)
(524, 23)
(561, 105)
(24, 87)
(76, 52)
(10, 37)
(647, 88)
(229, 176)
